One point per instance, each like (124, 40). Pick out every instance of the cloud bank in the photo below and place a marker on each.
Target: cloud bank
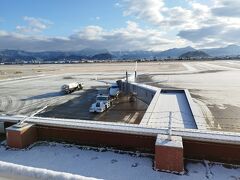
(130, 37)
(192, 22)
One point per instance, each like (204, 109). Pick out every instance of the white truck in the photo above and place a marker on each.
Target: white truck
(114, 90)
(71, 87)
(102, 103)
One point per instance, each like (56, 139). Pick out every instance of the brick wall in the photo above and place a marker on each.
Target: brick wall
(98, 138)
(227, 153)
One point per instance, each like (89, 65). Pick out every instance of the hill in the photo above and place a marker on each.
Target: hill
(194, 54)
(231, 50)
(102, 56)
(174, 53)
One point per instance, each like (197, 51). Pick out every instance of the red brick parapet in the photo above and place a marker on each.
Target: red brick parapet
(21, 136)
(169, 154)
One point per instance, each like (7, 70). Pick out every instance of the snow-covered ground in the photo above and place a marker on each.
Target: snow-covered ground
(214, 88)
(64, 161)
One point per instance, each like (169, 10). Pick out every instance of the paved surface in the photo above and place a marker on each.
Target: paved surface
(121, 111)
(26, 96)
(214, 85)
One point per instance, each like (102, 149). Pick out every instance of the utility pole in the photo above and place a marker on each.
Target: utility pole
(135, 71)
(170, 126)
(126, 82)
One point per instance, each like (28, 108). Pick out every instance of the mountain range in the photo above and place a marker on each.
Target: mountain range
(101, 54)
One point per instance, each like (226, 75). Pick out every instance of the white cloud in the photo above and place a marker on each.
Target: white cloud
(157, 13)
(131, 37)
(117, 4)
(90, 33)
(34, 25)
(145, 9)
(3, 33)
(218, 27)
(197, 23)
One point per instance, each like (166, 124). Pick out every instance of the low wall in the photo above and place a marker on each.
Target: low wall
(121, 141)
(226, 153)
(196, 112)
(147, 116)
(192, 149)
(143, 92)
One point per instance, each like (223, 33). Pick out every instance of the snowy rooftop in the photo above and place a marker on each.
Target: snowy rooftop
(64, 161)
(173, 141)
(176, 105)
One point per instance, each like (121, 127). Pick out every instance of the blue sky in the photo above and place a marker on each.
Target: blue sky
(69, 15)
(65, 15)
(117, 24)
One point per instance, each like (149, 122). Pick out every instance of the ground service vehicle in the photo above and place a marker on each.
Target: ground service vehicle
(102, 103)
(71, 87)
(114, 90)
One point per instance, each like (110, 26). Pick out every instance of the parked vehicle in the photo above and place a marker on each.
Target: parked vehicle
(102, 103)
(69, 88)
(114, 90)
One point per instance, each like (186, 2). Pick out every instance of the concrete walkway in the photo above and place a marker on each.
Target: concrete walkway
(171, 106)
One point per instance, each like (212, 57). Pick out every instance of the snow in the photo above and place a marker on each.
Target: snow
(158, 116)
(189, 67)
(196, 112)
(15, 170)
(20, 78)
(20, 127)
(163, 140)
(64, 161)
(218, 66)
